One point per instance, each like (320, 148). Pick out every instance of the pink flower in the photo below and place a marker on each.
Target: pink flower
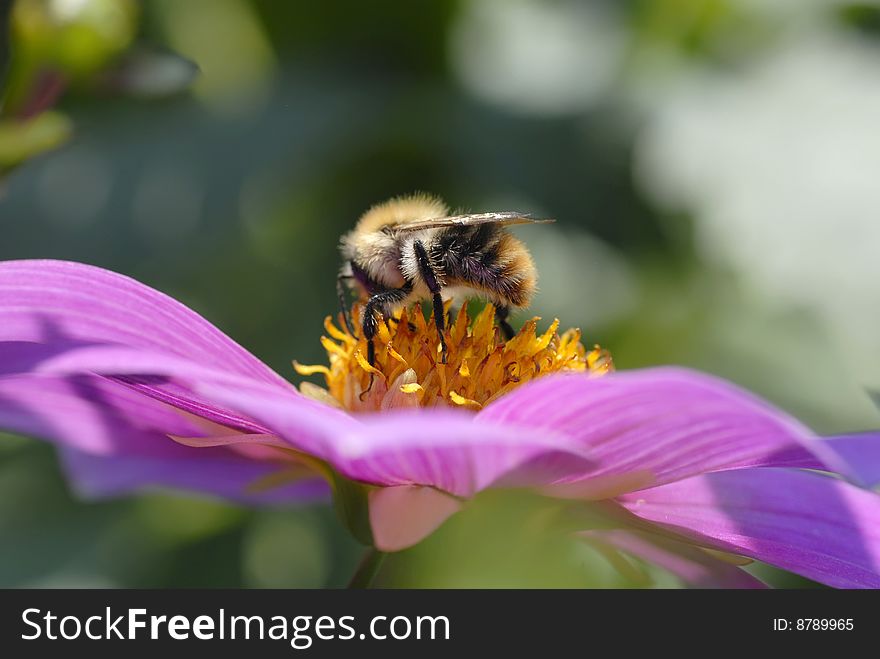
(137, 391)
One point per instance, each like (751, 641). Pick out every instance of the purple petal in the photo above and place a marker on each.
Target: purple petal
(442, 448)
(164, 378)
(212, 394)
(691, 564)
(116, 440)
(439, 448)
(654, 426)
(58, 301)
(862, 453)
(91, 414)
(222, 475)
(68, 361)
(856, 455)
(804, 522)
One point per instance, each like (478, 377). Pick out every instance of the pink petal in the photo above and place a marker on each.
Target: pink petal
(70, 360)
(441, 448)
(115, 440)
(54, 301)
(404, 515)
(804, 522)
(91, 414)
(221, 475)
(862, 453)
(188, 387)
(654, 426)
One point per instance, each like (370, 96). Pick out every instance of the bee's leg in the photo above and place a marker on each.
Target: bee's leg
(369, 326)
(389, 320)
(343, 303)
(381, 302)
(426, 270)
(501, 313)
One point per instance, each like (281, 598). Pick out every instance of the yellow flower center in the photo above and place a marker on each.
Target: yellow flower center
(481, 366)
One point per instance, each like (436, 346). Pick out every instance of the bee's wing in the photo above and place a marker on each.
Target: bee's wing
(502, 218)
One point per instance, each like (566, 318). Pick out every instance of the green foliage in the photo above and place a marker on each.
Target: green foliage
(72, 41)
(81, 44)
(23, 140)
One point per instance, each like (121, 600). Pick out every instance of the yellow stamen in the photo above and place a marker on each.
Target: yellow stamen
(481, 366)
(364, 364)
(332, 348)
(308, 369)
(337, 334)
(395, 355)
(464, 402)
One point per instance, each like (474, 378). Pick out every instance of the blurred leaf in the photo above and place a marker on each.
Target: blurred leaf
(65, 42)
(712, 30)
(863, 16)
(79, 37)
(21, 140)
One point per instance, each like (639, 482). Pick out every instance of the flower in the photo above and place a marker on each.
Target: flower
(137, 390)
(480, 366)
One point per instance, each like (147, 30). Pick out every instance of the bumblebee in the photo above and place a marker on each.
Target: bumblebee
(410, 249)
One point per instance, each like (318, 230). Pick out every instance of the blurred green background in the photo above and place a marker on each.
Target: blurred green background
(711, 163)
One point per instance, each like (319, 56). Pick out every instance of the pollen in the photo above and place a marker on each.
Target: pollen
(409, 371)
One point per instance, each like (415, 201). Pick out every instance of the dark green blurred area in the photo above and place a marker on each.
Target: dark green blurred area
(231, 197)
